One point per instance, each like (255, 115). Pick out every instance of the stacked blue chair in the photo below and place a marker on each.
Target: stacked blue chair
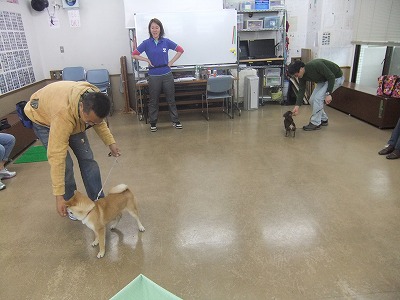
(74, 74)
(101, 79)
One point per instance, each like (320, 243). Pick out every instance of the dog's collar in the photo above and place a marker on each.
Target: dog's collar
(87, 215)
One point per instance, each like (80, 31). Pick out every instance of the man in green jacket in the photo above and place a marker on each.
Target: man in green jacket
(328, 77)
(61, 113)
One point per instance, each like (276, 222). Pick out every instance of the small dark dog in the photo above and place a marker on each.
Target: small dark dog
(289, 123)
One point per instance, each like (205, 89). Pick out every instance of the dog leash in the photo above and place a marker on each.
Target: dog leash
(316, 113)
(102, 187)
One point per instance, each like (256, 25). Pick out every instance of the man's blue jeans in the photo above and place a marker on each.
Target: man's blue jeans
(7, 142)
(89, 168)
(395, 137)
(317, 100)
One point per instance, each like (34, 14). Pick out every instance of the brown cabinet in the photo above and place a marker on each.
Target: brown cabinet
(363, 103)
(23, 136)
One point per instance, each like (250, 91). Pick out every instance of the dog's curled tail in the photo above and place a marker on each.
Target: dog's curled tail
(118, 189)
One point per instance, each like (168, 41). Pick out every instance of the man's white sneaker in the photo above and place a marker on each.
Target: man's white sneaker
(71, 215)
(153, 127)
(5, 174)
(177, 125)
(2, 186)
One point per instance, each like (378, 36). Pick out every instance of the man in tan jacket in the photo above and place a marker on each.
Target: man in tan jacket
(61, 113)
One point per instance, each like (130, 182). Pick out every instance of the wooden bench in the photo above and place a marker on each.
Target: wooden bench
(362, 103)
(24, 137)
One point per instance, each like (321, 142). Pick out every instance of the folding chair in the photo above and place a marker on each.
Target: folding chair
(101, 79)
(74, 74)
(219, 87)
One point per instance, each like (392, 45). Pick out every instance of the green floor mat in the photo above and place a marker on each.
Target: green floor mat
(144, 289)
(33, 154)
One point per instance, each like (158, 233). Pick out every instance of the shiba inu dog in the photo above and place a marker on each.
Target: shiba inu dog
(96, 215)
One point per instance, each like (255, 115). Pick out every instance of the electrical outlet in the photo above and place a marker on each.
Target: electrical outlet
(62, 49)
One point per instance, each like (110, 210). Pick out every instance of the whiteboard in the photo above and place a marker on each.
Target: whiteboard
(208, 37)
(139, 6)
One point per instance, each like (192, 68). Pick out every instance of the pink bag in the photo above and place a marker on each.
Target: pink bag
(389, 86)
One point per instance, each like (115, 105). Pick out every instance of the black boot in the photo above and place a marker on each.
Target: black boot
(4, 124)
(387, 150)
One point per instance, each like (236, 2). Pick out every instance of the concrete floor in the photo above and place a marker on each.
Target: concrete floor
(232, 210)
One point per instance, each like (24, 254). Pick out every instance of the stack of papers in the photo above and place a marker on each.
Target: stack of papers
(191, 78)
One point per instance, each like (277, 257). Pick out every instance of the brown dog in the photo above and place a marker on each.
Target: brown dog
(96, 215)
(289, 124)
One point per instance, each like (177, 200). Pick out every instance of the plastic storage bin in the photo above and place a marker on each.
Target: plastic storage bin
(272, 81)
(261, 4)
(272, 22)
(253, 24)
(276, 4)
(239, 21)
(246, 5)
(273, 72)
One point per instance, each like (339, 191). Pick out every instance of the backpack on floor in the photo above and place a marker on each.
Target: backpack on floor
(21, 114)
(389, 86)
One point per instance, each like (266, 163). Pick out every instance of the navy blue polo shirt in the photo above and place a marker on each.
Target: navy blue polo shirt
(158, 54)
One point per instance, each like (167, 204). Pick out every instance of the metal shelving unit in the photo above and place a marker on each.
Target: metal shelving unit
(268, 77)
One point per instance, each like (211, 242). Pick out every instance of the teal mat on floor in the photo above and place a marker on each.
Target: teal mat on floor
(33, 154)
(144, 289)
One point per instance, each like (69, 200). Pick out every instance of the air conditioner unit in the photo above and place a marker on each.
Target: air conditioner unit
(70, 4)
(251, 92)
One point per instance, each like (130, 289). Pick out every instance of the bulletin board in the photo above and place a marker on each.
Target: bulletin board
(16, 68)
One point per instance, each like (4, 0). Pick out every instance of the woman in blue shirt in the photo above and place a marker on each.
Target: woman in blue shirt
(160, 75)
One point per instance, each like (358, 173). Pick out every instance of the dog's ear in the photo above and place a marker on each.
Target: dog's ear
(70, 199)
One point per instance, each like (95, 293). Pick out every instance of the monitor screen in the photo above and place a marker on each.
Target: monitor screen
(243, 49)
(264, 48)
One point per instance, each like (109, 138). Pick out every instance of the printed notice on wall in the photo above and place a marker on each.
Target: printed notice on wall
(10, 1)
(74, 18)
(16, 68)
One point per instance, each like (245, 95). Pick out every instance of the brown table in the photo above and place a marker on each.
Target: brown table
(187, 97)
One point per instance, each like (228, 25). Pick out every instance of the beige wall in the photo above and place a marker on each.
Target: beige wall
(8, 100)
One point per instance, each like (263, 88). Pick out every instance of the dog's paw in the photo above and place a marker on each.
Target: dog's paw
(100, 254)
(95, 243)
(141, 228)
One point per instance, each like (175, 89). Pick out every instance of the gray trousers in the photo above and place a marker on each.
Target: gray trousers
(164, 83)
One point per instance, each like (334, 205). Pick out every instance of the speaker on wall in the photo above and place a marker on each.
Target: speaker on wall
(39, 5)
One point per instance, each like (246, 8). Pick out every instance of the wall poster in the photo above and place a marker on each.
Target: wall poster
(16, 68)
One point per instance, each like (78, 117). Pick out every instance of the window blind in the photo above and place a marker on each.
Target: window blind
(377, 22)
